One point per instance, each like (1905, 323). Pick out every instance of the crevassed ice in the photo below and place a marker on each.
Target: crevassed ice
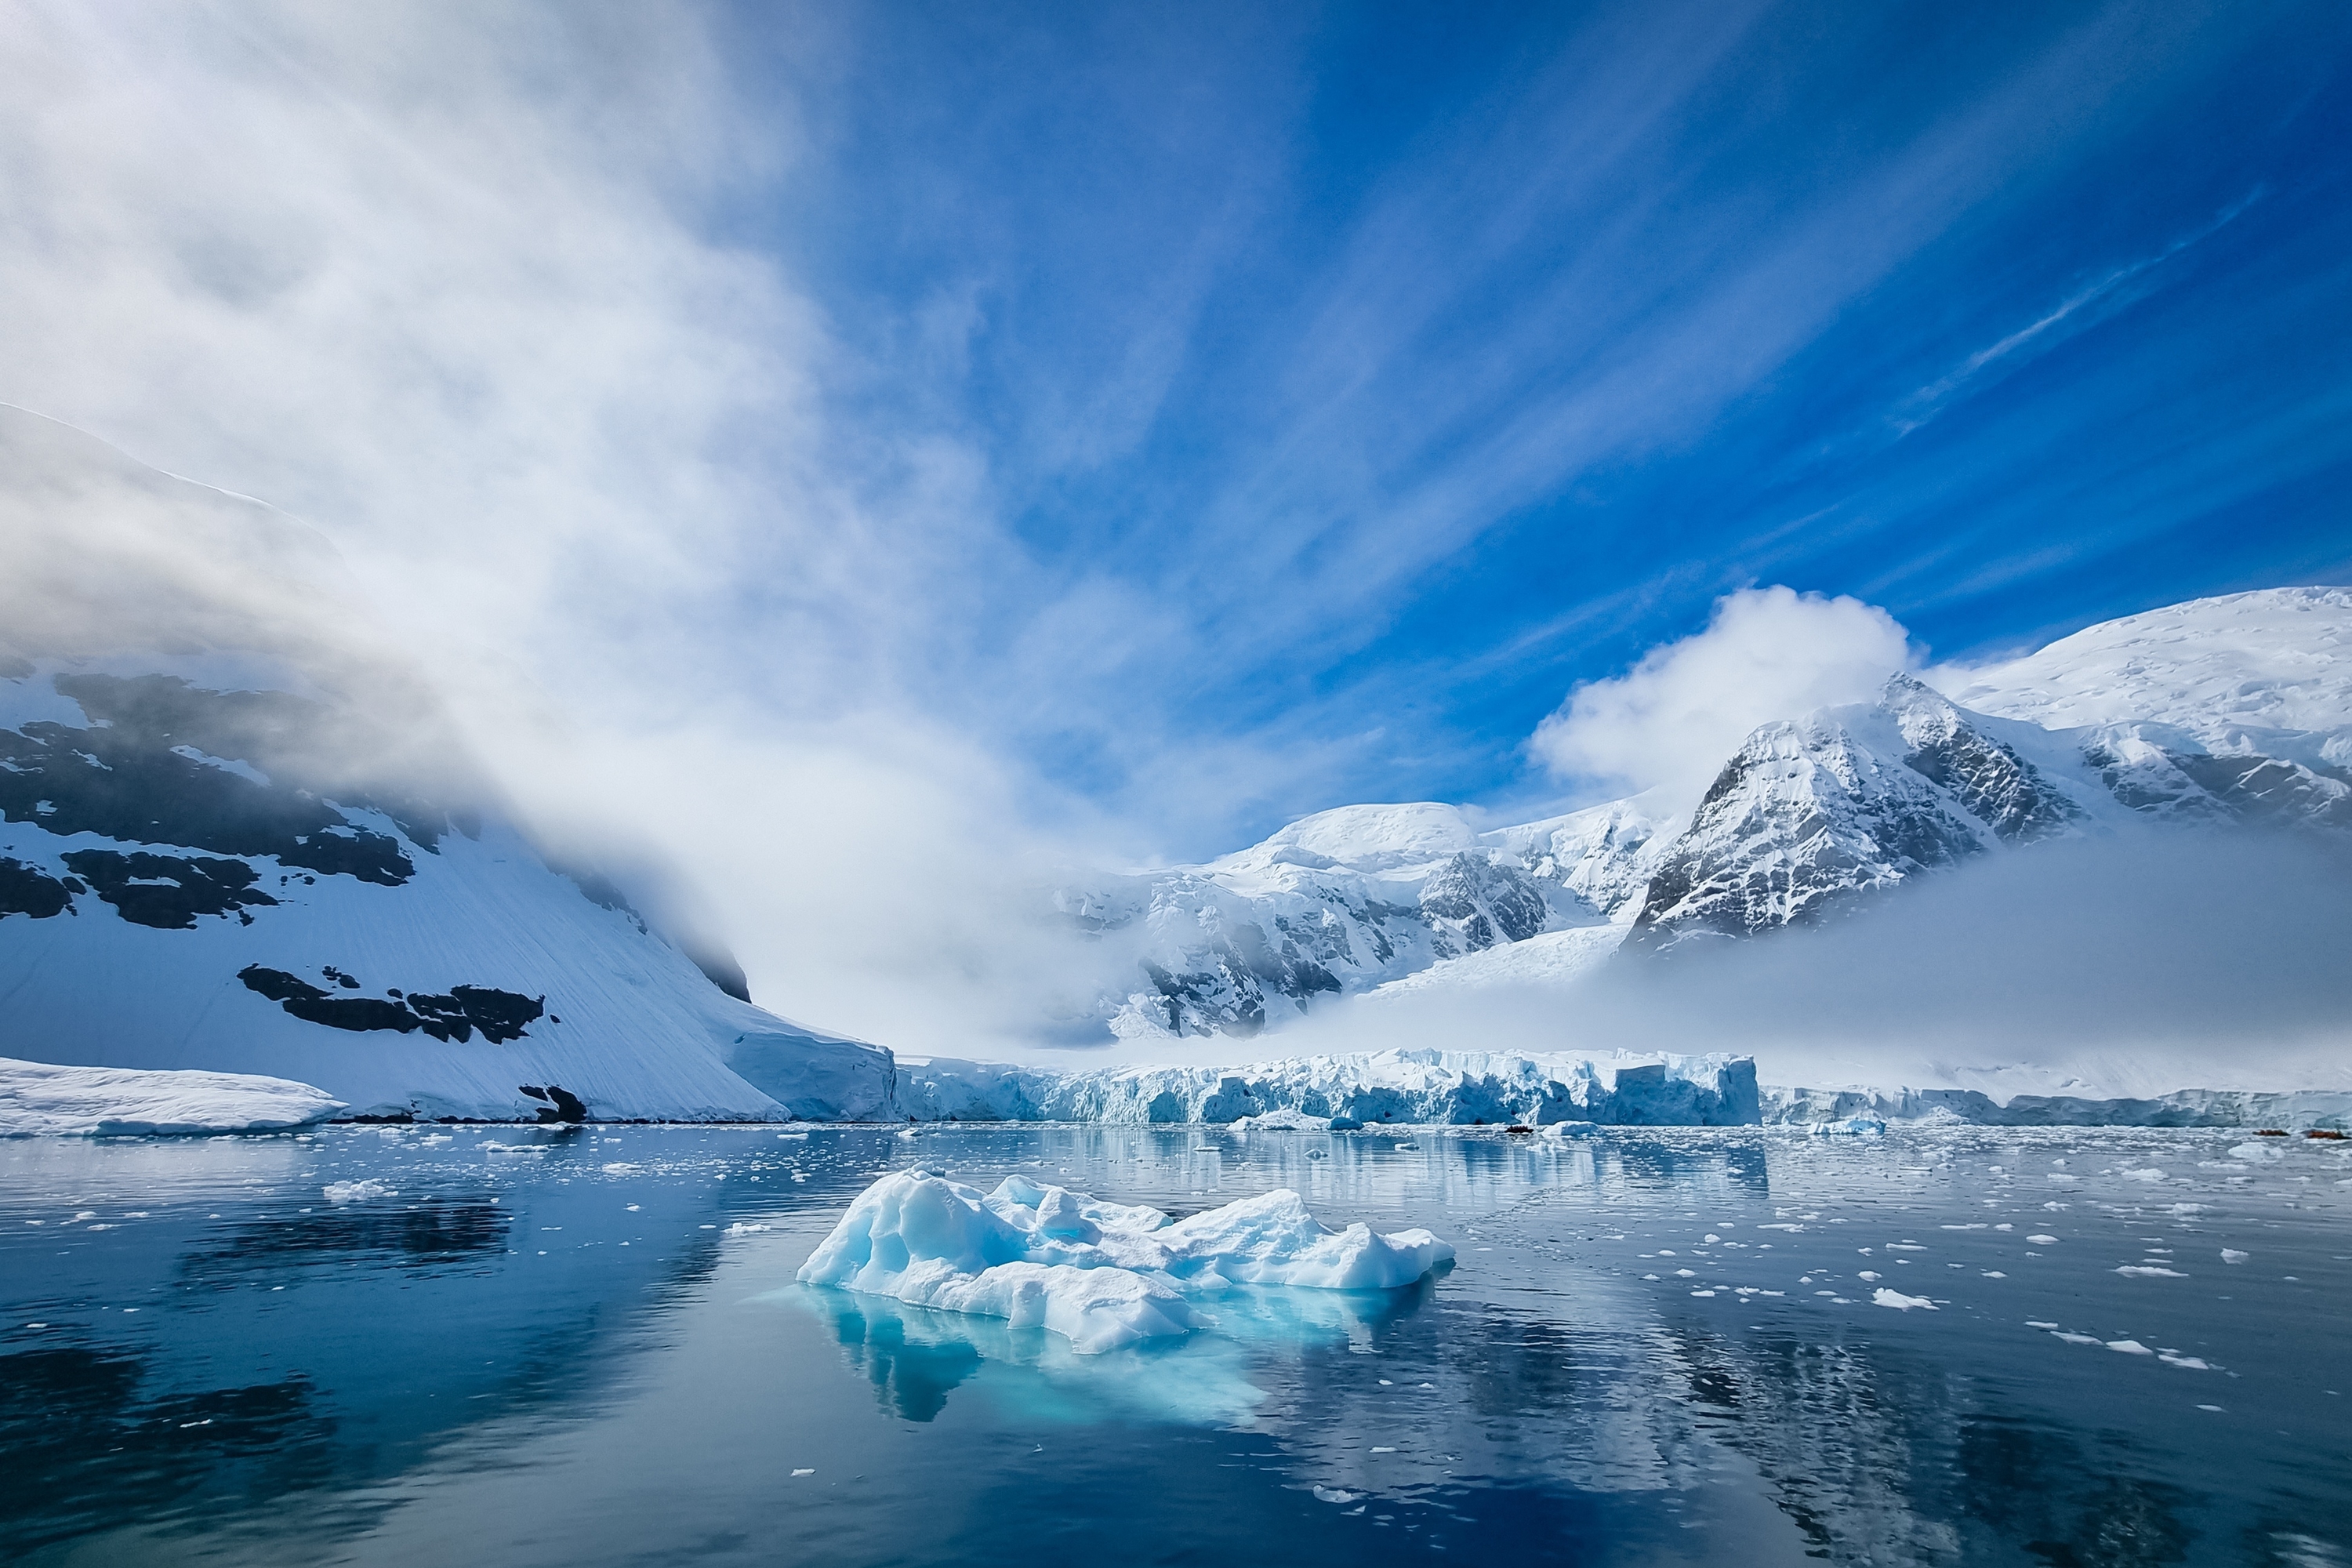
(1102, 1274)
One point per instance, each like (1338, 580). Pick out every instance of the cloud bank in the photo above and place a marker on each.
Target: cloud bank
(1670, 722)
(2133, 964)
(441, 280)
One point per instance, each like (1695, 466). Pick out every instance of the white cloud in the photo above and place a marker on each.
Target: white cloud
(436, 278)
(1672, 720)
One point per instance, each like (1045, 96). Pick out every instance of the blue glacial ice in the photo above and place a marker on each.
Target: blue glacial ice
(1102, 1274)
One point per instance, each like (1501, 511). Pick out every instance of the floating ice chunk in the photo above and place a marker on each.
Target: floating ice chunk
(2232, 1254)
(2193, 1363)
(1102, 1274)
(2040, 1240)
(356, 1192)
(1570, 1129)
(2149, 1271)
(744, 1228)
(2255, 1152)
(1283, 1121)
(1852, 1127)
(1899, 1302)
(2129, 1347)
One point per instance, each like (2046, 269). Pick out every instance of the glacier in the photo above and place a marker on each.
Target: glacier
(40, 1099)
(1103, 1276)
(1399, 1086)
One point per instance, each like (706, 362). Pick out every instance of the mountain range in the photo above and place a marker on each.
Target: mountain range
(235, 835)
(2219, 714)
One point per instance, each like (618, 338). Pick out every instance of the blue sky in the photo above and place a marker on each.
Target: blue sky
(1345, 385)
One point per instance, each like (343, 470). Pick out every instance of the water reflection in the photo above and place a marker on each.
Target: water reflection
(435, 1234)
(595, 1355)
(80, 1438)
(910, 1377)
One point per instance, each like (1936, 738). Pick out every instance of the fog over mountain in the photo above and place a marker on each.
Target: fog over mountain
(242, 833)
(2121, 860)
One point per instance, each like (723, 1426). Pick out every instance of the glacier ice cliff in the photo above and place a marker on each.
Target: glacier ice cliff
(1395, 1086)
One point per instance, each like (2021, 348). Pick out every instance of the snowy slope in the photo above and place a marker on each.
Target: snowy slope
(231, 839)
(2233, 671)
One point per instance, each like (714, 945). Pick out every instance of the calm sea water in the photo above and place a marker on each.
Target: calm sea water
(586, 1347)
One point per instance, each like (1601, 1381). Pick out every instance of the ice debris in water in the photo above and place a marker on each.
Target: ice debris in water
(356, 1192)
(1102, 1274)
(1899, 1302)
(1852, 1127)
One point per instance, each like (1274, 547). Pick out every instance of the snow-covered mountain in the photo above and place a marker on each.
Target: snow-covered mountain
(234, 839)
(1344, 900)
(2233, 711)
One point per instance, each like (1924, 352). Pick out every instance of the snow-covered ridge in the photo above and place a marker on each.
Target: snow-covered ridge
(37, 1099)
(1103, 1276)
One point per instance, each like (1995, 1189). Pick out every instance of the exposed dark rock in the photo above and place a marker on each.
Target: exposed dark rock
(499, 1015)
(303, 746)
(169, 891)
(1484, 900)
(1992, 781)
(566, 1106)
(719, 967)
(26, 891)
(2269, 792)
(132, 788)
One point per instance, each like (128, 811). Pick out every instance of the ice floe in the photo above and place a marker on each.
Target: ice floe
(1102, 1274)
(357, 1192)
(37, 1099)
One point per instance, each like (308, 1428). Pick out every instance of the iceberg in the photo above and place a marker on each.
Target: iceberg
(1102, 1274)
(1851, 1127)
(37, 1099)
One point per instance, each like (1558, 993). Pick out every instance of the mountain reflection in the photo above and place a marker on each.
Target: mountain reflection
(82, 1438)
(430, 1233)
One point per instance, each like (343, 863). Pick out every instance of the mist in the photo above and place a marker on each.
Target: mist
(2133, 963)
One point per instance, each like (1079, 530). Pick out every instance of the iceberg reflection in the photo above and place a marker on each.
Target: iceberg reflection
(915, 1357)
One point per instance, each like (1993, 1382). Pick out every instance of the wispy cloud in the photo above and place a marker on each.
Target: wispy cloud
(2111, 292)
